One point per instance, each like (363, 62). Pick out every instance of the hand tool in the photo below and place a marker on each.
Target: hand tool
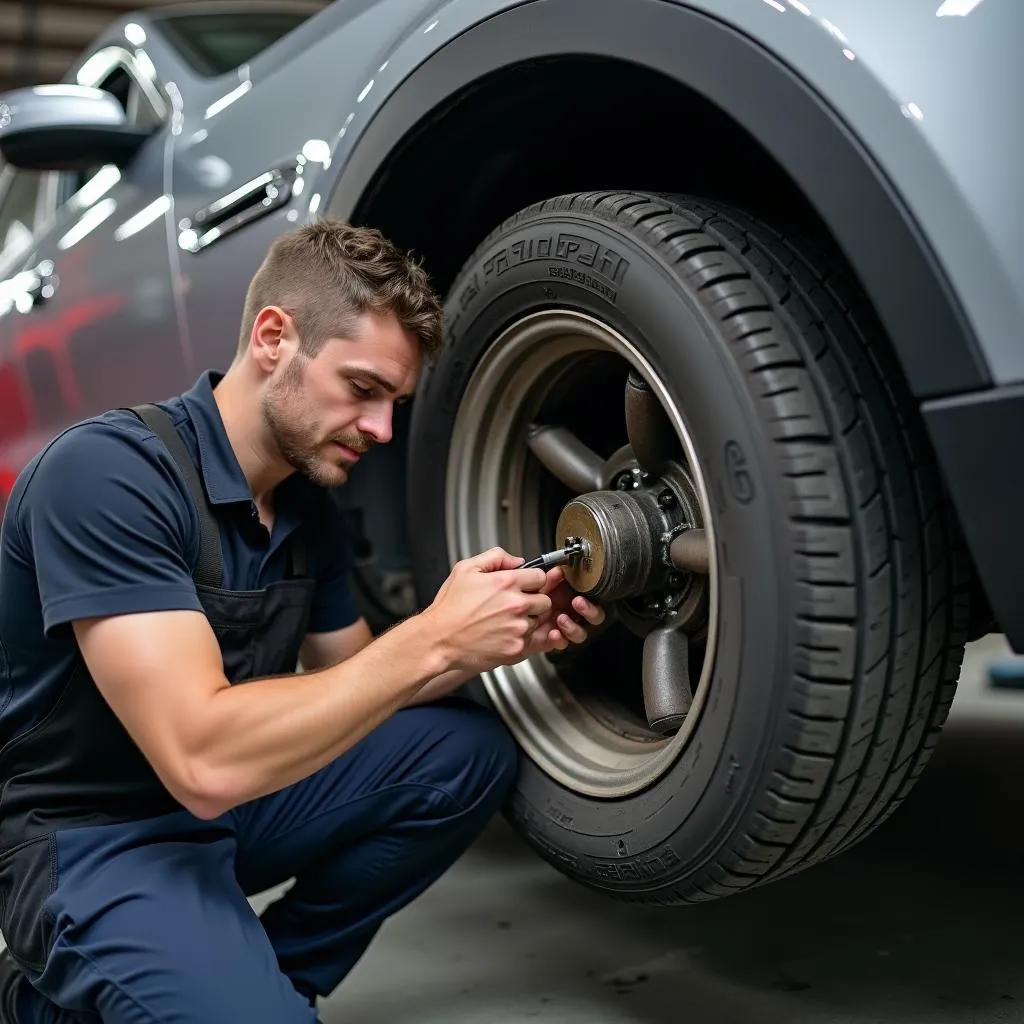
(575, 547)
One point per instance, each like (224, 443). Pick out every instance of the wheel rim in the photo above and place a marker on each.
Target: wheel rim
(563, 365)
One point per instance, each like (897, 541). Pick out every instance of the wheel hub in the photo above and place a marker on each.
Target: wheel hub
(619, 531)
(630, 536)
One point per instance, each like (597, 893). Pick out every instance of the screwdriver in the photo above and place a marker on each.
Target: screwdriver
(574, 548)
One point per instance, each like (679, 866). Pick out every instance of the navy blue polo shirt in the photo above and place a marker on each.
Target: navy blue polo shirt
(101, 522)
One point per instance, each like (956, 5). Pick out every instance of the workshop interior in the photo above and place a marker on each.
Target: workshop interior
(732, 295)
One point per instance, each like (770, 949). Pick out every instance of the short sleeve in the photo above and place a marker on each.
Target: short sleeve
(108, 526)
(334, 605)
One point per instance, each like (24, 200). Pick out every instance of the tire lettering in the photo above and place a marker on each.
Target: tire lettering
(452, 333)
(579, 277)
(527, 815)
(559, 817)
(652, 865)
(470, 291)
(515, 254)
(602, 260)
(555, 854)
(734, 767)
(740, 482)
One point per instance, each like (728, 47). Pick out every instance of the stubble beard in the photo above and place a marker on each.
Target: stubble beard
(296, 440)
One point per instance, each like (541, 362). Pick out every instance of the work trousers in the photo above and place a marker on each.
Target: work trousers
(151, 920)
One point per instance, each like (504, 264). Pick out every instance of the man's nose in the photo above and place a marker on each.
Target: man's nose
(377, 424)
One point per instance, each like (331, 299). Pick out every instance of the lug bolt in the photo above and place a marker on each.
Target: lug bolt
(630, 480)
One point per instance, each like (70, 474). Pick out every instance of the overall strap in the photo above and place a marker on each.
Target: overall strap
(208, 569)
(298, 563)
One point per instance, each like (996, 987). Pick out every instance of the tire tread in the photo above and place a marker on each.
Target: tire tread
(835, 401)
(875, 674)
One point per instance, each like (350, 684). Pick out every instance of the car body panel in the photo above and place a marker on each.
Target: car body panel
(962, 209)
(75, 363)
(954, 75)
(220, 147)
(88, 318)
(926, 91)
(899, 124)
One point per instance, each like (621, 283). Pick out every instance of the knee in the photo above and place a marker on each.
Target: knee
(476, 761)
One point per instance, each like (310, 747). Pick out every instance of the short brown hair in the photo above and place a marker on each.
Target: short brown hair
(327, 273)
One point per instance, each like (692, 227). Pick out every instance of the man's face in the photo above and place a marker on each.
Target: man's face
(322, 414)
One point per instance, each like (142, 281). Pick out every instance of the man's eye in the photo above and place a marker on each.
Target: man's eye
(360, 390)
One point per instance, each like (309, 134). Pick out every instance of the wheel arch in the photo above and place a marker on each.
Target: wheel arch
(439, 165)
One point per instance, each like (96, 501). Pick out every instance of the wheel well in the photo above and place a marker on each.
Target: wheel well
(539, 129)
(567, 124)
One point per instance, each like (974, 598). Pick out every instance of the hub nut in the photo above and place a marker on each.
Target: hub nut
(620, 539)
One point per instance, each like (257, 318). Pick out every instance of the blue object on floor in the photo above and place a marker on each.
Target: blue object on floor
(1007, 674)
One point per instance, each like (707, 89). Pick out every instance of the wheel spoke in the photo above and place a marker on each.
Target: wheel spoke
(566, 457)
(650, 432)
(691, 552)
(666, 674)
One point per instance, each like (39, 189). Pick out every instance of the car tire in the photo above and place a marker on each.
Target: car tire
(842, 586)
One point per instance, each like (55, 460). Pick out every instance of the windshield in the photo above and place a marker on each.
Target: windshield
(215, 44)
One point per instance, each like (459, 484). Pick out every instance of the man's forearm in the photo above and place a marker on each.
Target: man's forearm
(440, 686)
(265, 734)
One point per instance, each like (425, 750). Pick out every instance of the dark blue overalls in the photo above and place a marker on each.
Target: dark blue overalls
(121, 906)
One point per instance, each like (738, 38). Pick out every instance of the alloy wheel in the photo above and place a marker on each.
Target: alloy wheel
(565, 430)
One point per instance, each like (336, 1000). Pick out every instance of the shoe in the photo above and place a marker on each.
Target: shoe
(10, 982)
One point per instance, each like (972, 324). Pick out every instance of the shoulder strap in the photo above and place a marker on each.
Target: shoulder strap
(297, 558)
(208, 569)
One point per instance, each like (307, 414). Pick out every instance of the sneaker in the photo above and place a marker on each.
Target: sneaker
(10, 981)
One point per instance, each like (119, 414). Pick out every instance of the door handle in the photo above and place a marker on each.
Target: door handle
(241, 206)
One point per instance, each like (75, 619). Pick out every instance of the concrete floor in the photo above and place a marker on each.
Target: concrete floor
(921, 924)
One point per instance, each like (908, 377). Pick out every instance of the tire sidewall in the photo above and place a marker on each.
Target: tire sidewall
(581, 262)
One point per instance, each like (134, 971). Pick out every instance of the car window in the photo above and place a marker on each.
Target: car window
(216, 43)
(18, 212)
(138, 110)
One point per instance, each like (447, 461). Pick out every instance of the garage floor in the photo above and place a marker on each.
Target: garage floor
(919, 925)
(922, 923)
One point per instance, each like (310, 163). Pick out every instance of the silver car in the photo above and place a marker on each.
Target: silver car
(735, 292)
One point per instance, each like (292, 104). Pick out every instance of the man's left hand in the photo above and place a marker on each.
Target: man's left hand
(562, 625)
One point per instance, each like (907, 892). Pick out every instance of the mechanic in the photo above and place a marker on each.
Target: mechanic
(152, 558)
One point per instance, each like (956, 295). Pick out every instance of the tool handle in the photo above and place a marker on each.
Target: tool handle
(548, 560)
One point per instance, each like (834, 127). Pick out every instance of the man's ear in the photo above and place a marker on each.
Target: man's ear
(273, 332)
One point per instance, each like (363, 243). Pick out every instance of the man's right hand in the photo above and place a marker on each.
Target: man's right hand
(485, 611)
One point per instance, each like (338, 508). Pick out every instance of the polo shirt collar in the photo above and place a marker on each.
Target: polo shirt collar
(225, 482)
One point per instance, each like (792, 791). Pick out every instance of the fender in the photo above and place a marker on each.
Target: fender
(930, 268)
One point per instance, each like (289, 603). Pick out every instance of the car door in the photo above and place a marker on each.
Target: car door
(91, 321)
(24, 204)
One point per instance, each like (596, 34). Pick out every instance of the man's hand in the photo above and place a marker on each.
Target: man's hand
(485, 613)
(560, 627)
(525, 632)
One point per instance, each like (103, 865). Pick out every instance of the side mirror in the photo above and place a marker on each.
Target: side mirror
(65, 128)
